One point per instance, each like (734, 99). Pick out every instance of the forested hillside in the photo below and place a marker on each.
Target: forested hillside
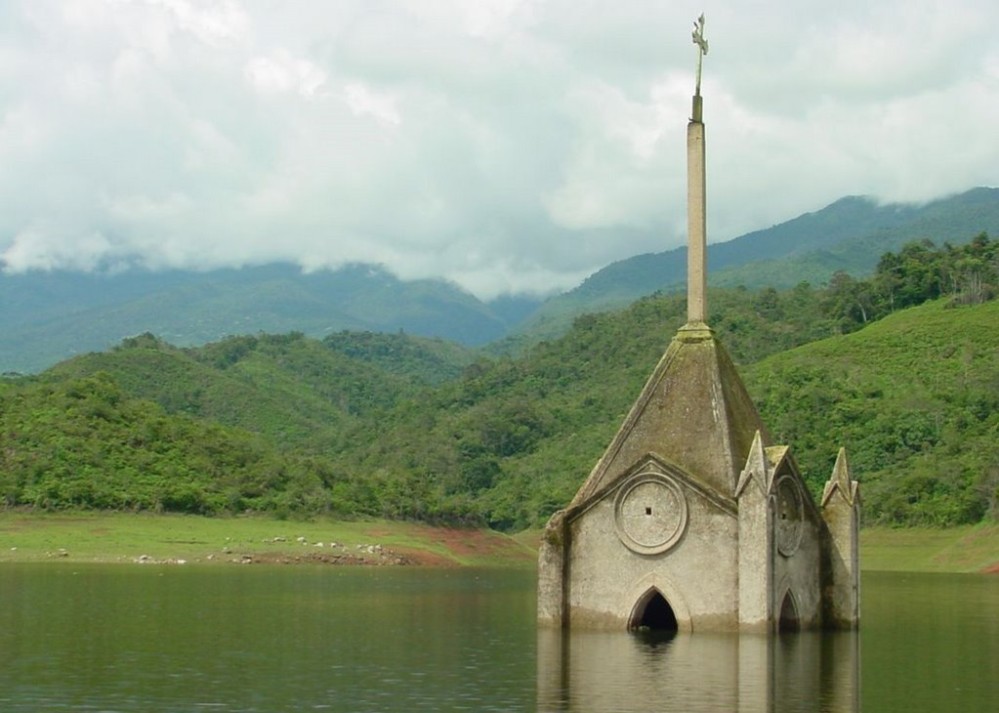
(84, 442)
(393, 426)
(913, 397)
(249, 423)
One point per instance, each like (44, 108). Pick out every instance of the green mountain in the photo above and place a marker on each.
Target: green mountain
(372, 424)
(245, 423)
(46, 317)
(914, 398)
(849, 235)
(297, 393)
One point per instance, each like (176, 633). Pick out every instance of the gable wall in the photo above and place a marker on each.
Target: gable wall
(698, 575)
(801, 571)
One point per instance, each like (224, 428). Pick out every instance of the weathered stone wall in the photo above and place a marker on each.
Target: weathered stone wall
(798, 570)
(697, 575)
(551, 572)
(691, 499)
(798, 541)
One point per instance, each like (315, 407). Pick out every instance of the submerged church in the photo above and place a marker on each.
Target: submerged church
(693, 519)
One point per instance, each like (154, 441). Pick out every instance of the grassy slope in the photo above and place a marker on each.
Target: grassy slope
(959, 549)
(117, 537)
(913, 398)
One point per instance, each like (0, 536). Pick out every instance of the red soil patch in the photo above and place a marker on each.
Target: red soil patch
(992, 569)
(467, 542)
(459, 542)
(424, 559)
(481, 543)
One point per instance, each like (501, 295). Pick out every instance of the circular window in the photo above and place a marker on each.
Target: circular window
(790, 513)
(650, 513)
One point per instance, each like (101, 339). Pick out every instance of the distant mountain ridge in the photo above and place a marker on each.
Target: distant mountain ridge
(46, 317)
(850, 234)
(49, 316)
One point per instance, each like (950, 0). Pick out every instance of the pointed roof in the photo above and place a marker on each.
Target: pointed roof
(841, 482)
(758, 467)
(694, 412)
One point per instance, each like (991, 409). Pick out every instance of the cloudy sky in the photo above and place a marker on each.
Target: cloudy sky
(506, 145)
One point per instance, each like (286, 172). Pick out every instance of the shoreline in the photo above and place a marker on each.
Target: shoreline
(172, 539)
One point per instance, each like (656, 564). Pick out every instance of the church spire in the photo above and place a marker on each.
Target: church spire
(696, 196)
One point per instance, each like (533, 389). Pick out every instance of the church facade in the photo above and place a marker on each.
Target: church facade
(693, 520)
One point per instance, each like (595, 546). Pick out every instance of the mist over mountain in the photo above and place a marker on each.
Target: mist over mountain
(49, 316)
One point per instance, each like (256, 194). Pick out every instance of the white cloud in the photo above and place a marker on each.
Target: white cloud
(281, 72)
(503, 144)
(214, 22)
(362, 101)
(38, 247)
(142, 208)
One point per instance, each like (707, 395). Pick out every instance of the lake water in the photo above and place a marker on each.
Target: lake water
(270, 638)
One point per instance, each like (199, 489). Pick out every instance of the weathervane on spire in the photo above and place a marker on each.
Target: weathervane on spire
(702, 49)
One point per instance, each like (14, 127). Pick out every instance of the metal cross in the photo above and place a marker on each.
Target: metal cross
(702, 49)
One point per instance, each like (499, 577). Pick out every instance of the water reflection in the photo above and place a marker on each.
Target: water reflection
(618, 671)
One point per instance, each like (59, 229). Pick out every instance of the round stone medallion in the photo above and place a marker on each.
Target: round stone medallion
(650, 513)
(790, 513)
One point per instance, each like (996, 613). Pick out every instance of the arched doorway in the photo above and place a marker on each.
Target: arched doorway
(788, 621)
(653, 613)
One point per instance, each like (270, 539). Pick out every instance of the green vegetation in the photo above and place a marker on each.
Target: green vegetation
(428, 361)
(915, 397)
(363, 425)
(917, 273)
(83, 442)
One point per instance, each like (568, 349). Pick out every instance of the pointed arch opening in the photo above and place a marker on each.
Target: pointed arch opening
(788, 621)
(653, 613)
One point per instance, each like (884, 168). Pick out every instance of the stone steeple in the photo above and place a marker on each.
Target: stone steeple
(697, 196)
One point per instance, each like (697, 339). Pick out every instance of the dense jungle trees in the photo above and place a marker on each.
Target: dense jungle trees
(967, 274)
(388, 425)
